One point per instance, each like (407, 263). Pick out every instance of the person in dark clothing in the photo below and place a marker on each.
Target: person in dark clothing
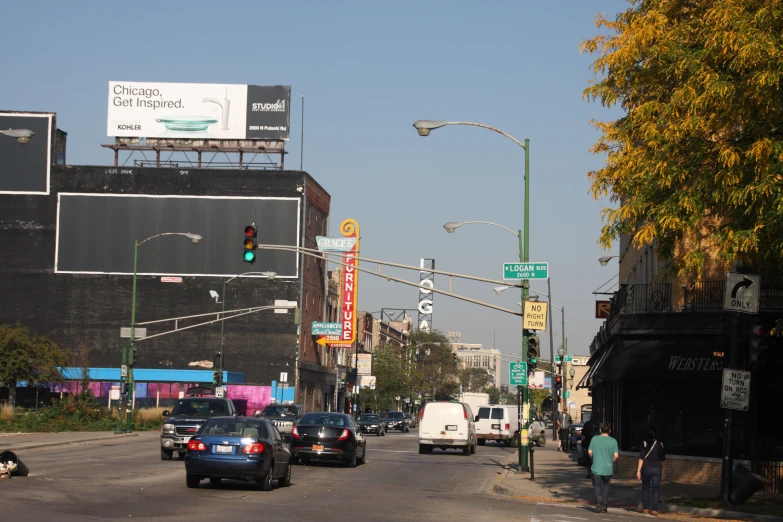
(590, 430)
(651, 460)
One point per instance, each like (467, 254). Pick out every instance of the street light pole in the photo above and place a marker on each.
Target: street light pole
(131, 352)
(424, 127)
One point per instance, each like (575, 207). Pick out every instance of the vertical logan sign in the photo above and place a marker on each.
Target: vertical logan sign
(350, 283)
(426, 281)
(199, 111)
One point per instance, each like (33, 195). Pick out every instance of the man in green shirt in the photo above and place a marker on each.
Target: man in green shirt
(604, 453)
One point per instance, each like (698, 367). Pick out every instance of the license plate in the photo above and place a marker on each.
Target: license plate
(318, 447)
(496, 426)
(451, 427)
(224, 449)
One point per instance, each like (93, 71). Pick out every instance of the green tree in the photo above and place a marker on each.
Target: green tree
(695, 162)
(436, 363)
(473, 379)
(28, 357)
(537, 398)
(392, 376)
(494, 394)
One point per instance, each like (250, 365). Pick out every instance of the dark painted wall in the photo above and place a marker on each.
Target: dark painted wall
(90, 309)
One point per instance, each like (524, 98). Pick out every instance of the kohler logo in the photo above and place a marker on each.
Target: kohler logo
(679, 363)
(278, 106)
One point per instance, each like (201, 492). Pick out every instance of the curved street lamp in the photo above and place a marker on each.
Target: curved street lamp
(22, 135)
(424, 127)
(194, 238)
(605, 260)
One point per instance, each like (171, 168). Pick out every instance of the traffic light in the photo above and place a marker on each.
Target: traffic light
(454, 357)
(558, 383)
(759, 344)
(250, 244)
(216, 377)
(532, 352)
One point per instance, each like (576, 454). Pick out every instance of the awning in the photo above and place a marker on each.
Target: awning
(598, 361)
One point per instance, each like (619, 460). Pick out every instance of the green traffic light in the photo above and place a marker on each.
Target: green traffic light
(250, 256)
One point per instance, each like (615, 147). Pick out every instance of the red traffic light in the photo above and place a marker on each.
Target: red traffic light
(250, 231)
(759, 330)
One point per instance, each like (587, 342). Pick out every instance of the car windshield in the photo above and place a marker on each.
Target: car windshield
(235, 427)
(323, 419)
(279, 411)
(200, 408)
(369, 418)
(393, 415)
(483, 413)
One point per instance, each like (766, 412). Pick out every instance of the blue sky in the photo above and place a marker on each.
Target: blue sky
(367, 71)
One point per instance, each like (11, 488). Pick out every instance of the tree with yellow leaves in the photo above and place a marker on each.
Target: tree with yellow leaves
(695, 163)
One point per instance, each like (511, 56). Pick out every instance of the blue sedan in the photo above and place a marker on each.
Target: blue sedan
(239, 448)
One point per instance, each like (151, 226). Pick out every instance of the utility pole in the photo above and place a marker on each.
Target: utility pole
(524, 447)
(552, 359)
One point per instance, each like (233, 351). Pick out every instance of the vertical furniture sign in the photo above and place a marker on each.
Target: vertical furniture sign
(350, 283)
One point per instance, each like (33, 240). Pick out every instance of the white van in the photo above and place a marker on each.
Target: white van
(501, 423)
(447, 425)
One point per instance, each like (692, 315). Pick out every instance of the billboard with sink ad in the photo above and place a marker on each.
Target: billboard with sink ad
(199, 111)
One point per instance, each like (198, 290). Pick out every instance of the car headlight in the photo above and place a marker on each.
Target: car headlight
(374, 426)
(167, 428)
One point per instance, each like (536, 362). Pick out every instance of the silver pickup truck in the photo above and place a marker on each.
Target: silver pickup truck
(184, 421)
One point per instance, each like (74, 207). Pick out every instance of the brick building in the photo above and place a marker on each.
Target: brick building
(67, 273)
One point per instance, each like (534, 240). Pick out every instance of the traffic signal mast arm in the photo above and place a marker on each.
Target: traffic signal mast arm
(320, 255)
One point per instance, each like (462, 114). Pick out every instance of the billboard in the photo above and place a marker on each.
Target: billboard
(96, 234)
(199, 111)
(24, 168)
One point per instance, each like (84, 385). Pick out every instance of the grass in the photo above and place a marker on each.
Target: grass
(74, 414)
(758, 504)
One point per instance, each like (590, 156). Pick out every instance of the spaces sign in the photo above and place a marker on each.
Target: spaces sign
(199, 111)
(735, 393)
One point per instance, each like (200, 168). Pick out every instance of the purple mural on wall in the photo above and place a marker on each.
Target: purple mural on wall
(248, 399)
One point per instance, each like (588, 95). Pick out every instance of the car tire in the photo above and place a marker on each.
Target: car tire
(286, 480)
(422, 449)
(481, 442)
(473, 449)
(541, 442)
(266, 479)
(515, 440)
(352, 462)
(215, 481)
(507, 443)
(466, 450)
(363, 460)
(192, 480)
(166, 454)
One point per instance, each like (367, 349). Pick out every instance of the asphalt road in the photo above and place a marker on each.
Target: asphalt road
(107, 480)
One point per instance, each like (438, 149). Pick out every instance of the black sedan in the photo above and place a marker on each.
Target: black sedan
(240, 448)
(371, 423)
(395, 420)
(328, 436)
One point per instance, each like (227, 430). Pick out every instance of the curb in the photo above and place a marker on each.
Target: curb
(66, 442)
(500, 489)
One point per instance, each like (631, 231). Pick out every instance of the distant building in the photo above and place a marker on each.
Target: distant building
(476, 356)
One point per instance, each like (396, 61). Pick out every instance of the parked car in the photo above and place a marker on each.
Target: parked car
(411, 420)
(239, 448)
(371, 423)
(188, 416)
(395, 420)
(283, 416)
(501, 423)
(575, 434)
(447, 425)
(328, 436)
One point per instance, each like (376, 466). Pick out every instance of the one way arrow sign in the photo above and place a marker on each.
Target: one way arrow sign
(742, 293)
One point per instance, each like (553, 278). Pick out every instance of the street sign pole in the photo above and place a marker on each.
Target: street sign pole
(523, 426)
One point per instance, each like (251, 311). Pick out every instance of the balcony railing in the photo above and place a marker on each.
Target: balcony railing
(704, 295)
(642, 299)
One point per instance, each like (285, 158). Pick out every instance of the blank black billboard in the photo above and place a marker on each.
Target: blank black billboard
(24, 168)
(96, 234)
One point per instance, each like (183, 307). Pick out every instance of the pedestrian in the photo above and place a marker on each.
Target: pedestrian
(650, 471)
(563, 424)
(590, 430)
(604, 453)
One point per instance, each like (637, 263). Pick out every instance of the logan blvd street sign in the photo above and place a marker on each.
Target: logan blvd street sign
(742, 293)
(514, 271)
(518, 373)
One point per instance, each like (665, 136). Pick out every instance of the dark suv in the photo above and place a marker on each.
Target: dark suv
(283, 416)
(188, 416)
(395, 420)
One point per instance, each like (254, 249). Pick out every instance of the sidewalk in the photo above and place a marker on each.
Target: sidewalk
(558, 478)
(22, 441)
